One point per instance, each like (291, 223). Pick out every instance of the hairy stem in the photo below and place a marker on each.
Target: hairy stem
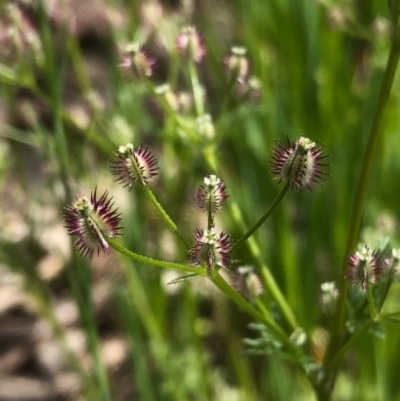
(154, 262)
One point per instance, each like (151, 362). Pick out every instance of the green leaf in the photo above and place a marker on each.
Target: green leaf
(182, 278)
(7, 74)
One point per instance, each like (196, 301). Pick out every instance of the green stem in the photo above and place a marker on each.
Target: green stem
(350, 342)
(227, 100)
(338, 327)
(56, 78)
(262, 219)
(164, 215)
(196, 88)
(161, 211)
(172, 114)
(220, 283)
(386, 289)
(241, 302)
(276, 293)
(371, 303)
(154, 262)
(269, 281)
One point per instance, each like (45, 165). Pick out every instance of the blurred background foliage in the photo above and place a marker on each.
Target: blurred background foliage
(66, 106)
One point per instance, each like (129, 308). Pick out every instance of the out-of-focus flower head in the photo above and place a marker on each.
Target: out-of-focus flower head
(136, 62)
(247, 283)
(166, 93)
(205, 126)
(364, 266)
(237, 64)
(190, 44)
(329, 296)
(19, 36)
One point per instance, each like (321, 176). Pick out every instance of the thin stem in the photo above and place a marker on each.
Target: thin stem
(371, 303)
(262, 219)
(276, 293)
(352, 340)
(210, 216)
(161, 211)
(56, 77)
(196, 88)
(231, 87)
(269, 281)
(240, 301)
(338, 326)
(386, 289)
(154, 262)
(164, 215)
(220, 283)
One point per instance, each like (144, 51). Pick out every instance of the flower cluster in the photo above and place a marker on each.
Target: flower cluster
(134, 164)
(298, 163)
(364, 266)
(210, 247)
(92, 221)
(237, 67)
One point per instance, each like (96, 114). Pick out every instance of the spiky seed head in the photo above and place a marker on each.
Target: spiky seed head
(212, 195)
(134, 164)
(92, 221)
(211, 248)
(364, 266)
(299, 163)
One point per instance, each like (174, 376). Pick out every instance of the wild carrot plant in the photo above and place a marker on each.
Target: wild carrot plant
(234, 188)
